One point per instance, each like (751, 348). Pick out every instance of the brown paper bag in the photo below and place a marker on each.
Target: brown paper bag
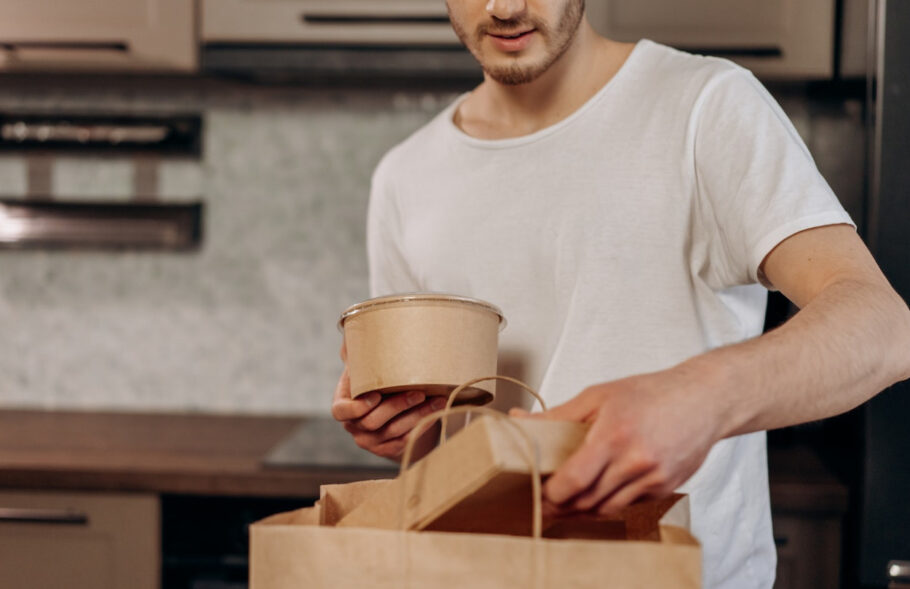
(308, 548)
(294, 551)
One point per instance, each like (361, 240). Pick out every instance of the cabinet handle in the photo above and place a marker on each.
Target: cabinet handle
(375, 19)
(17, 515)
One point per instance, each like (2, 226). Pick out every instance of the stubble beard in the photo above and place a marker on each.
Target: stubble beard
(557, 40)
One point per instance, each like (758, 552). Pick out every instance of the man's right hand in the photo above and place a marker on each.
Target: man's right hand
(381, 424)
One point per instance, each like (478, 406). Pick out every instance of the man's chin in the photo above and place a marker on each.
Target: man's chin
(514, 75)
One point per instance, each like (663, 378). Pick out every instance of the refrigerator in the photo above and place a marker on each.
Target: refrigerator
(884, 543)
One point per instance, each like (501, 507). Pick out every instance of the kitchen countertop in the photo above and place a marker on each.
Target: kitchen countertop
(176, 453)
(226, 455)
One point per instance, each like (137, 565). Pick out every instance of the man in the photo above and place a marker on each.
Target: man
(626, 206)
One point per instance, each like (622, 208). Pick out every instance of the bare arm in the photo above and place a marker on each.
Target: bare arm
(850, 340)
(650, 433)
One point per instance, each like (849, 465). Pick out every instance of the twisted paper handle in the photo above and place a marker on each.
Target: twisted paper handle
(529, 447)
(454, 395)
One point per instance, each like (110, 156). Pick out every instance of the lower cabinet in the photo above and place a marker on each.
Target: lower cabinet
(51, 540)
(808, 551)
(205, 540)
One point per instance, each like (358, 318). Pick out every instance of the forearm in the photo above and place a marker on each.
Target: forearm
(847, 344)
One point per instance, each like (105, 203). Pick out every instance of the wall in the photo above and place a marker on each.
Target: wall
(248, 322)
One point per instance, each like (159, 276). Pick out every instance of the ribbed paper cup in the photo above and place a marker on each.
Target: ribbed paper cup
(422, 341)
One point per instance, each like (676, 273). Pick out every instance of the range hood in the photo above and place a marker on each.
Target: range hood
(307, 38)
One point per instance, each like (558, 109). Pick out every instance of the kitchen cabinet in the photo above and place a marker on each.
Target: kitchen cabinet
(808, 506)
(98, 35)
(50, 540)
(167, 497)
(808, 551)
(775, 39)
(328, 22)
(854, 38)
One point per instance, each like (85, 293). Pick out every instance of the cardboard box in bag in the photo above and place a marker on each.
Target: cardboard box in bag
(477, 482)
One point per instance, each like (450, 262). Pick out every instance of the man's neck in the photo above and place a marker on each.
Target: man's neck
(498, 111)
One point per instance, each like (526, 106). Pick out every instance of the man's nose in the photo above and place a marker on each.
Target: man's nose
(506, 9)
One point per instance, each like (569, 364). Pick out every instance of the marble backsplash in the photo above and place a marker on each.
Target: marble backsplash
(248, 322)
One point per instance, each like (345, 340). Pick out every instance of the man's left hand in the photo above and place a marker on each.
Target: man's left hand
(648, 434)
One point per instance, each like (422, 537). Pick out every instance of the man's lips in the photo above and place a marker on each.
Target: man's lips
(511, 42)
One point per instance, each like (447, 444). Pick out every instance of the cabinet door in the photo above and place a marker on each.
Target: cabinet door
(98, 34)
(79, 541)
(330, 22)
(773, 38)
(808, 551)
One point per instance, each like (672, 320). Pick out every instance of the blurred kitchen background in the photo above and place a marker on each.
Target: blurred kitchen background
(183, 190)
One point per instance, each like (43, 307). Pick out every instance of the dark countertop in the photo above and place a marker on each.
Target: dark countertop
(178, 453)
(226, 455)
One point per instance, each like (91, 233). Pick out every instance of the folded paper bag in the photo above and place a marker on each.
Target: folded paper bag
(464, 482)
(470, 475)
(479, 481)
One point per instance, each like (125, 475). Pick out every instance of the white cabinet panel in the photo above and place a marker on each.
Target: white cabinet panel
(119, 35)
(79, 540)
(854, 38)
(328, 22)
(773, 38)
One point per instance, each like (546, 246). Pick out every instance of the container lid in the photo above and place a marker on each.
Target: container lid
(371, 304)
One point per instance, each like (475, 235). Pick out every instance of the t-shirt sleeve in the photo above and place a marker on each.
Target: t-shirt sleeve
(389, 271)
(756, 180)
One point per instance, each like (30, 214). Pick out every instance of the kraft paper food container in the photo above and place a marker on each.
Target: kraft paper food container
(422, 341)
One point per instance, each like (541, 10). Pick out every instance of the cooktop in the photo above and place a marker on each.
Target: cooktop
(323, 442)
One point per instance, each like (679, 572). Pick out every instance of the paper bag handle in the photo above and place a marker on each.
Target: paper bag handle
(537, 514)
(454, 395)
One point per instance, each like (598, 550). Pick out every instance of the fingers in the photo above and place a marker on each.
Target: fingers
(344, 408)
(343, 388)
(576, 474)
(650, 485)
(581, 408)
(393, 435)
(404, 423)
(390, 407)
(614, 484)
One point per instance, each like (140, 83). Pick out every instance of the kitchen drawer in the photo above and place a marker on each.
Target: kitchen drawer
(98, 35)
(778, 39)
(808, 551)
(79, 541)
(327, 22)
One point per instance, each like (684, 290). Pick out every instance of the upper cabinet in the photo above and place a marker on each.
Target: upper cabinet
(98, 35)
(328, 22)
(776, 39)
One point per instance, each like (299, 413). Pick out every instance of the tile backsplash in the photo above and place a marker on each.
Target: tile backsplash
(247, 323)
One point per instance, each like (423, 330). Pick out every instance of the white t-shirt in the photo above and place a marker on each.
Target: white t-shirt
(624, 239)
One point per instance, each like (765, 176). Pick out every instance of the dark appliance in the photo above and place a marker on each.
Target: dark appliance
(885, 511)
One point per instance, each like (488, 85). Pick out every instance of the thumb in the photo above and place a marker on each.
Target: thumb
(519, 412)
(576, 409)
